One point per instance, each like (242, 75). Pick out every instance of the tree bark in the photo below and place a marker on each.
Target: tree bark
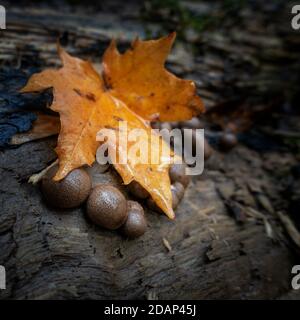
(50, 254)
(59, 254)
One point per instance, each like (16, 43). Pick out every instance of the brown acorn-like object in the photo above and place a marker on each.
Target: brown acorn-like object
(174, 124)
(177, 190)
(165, 125)
(193, 123)
(155, 125)
(177, 173)
(69, 192)
(207, 150)
(136, 224)
(175, 200)
(161, 125)
(137, 190)
(107, 207)
(228, 140)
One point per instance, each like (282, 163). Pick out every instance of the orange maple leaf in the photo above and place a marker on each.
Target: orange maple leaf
(85, 106)
(139, 79)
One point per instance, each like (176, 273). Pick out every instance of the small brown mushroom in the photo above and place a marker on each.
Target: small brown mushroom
(179, 190)
(175, 200)
(137, 190)
(161, 125)
(165, 125)
(193, 123)
(174, 124)
(136, 223)
(107, 207)
(207, 150)
(69, 192)
(155, 125)
(228, 140)
(177, 173)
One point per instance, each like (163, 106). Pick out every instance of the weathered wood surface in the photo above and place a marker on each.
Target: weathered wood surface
(50, 254)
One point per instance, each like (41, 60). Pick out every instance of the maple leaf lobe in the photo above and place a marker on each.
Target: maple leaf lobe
(138, 78)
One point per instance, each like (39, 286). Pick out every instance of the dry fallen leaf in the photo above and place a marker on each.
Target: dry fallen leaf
(86, 105)
(139, 79)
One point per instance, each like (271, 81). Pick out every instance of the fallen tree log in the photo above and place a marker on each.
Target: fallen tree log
(204, 253)
(54, 254)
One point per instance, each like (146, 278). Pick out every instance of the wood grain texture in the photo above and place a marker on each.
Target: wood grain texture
(59, 254)
(51, 254)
